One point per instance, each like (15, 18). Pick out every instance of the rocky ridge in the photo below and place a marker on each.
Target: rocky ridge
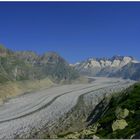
(109, 67)
(28, 65)
(120, 119)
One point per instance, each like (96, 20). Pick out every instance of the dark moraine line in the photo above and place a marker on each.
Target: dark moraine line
(44, 106)
(49, 103)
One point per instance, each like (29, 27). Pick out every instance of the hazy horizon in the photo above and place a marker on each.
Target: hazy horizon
(75, 30)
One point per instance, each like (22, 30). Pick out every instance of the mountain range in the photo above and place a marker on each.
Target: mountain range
(102, 109)
(28, 65)
(118, 66)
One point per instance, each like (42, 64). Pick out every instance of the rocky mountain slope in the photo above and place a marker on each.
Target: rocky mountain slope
(131, 70)
(27, 65)
(117, 66)
(121, 120)
(118, 120)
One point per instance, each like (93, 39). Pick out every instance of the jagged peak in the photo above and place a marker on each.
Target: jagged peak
(115, 57)
(120, 57)
(51, 53)
(115, 61)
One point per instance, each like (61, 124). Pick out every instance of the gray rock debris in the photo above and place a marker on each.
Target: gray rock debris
(27, 115)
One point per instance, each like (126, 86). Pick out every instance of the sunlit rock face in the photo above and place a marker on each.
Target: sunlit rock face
(105, 66)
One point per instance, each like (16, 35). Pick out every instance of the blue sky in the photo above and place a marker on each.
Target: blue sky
(75, 30)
